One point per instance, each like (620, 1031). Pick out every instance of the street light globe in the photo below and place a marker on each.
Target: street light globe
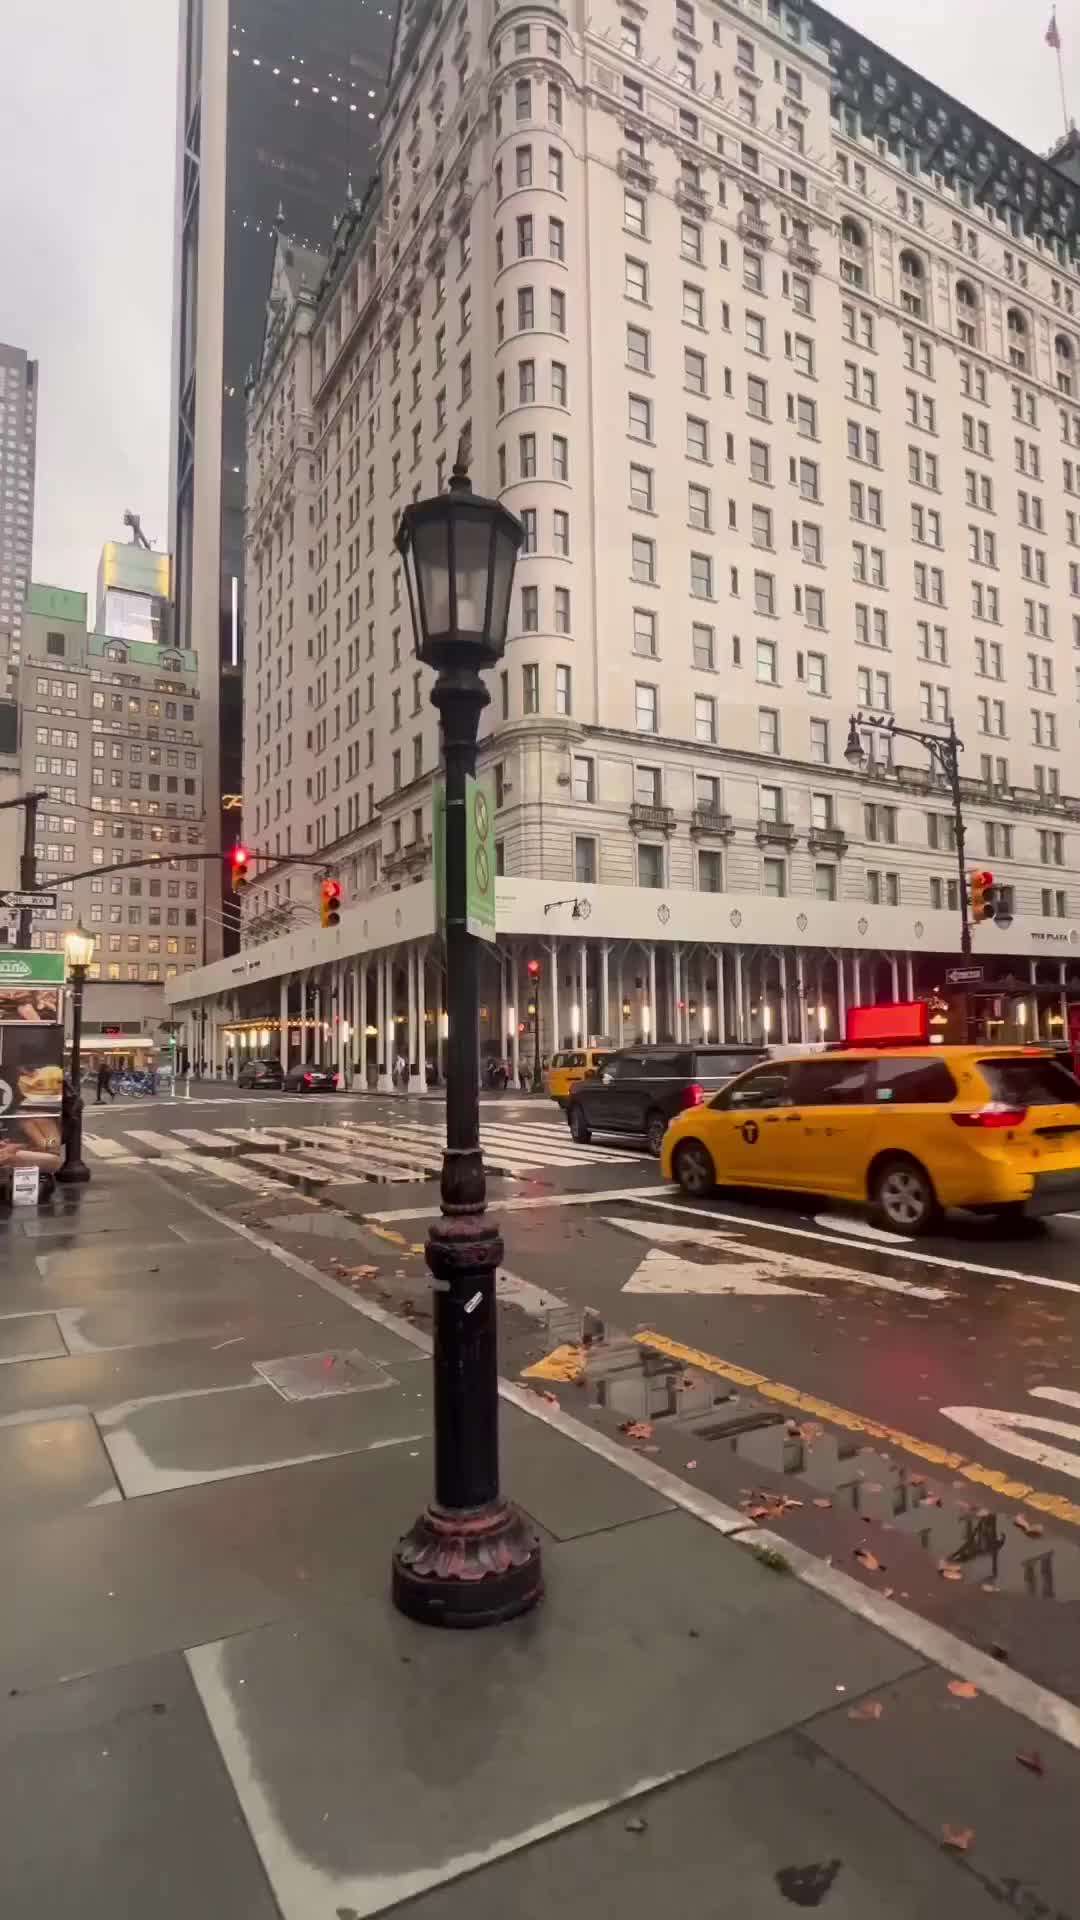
(78, 949)
(459, 552)
(854, 752)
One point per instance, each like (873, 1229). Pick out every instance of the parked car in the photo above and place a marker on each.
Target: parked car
(261, 1074)
(907, 1131)
(311, 1079)
(569, 1068)
(639, 1089)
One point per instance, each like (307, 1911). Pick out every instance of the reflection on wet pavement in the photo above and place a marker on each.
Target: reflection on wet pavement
(997, 1550)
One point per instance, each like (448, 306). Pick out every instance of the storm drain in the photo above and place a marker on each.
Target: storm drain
(315, 1376)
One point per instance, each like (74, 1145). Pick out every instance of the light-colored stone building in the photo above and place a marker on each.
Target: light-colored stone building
(774, 349)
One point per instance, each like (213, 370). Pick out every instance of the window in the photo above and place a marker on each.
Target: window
(871, 627)
(819, 742)
(697, 438)
(698, 509)
(768, 730)
(641, 488)
(636, 280)
(761, 526)
(564, 705)
(527, 456)
(701, 576)
(765, 660)
(774, 878)
(693, 305)
(646, 708)
(824, 881)
(691, 242)
(560, 457)
(710, 871)
(650, 862)
(694, 370)
(702, 647)
(530, 609)
(817, 678)
(640, 418)
(759, 462)
(526, 309)
(934, 703)
(584, 861)
(705, 718)
(643, 558)
(634, 213)
(755, 333)
(874, 690)
(557, 312)
(560, 533)
(530, 689)
(757, 397)
(584, 779)
(563, 622)
(637, 349)
(558, 384)
(645, 633)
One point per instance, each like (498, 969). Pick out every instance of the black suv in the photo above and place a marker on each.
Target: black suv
(261, 1073)
(641, 1088)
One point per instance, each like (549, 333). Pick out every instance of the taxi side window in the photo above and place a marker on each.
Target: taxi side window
(833, 1082)
(769, 1088)
(913, 1082)
(561, 1060)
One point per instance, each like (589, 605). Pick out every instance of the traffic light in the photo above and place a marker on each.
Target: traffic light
(534, 971)
(331, 903)
(240, 868)
(982, 896)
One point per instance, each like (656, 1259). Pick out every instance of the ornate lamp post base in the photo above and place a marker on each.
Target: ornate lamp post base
(467, 1570)
(73, 1173)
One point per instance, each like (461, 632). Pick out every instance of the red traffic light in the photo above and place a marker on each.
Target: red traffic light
(240, 868)
(331, 903)
(534, 969)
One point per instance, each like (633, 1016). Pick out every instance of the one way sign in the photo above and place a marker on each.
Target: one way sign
(13, 901)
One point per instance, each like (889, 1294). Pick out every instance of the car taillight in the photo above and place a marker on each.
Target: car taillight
(308, 1078)
(693, 1096)
(995, 1115)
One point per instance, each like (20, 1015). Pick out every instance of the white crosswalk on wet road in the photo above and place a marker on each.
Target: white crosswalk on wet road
(317, 1155)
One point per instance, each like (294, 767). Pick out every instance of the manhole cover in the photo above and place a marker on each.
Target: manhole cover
(313, 1376)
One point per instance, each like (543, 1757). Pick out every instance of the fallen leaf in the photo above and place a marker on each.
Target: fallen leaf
(637, 1429)
(1032, 1761)
(691, 1464)
(951, 1573)
(1030, 1527)
(868, 1560)
(636, 1826)
(823, 1503)
(887, 1592)
(959, 1838)
(963, 1690)
(869, 1710)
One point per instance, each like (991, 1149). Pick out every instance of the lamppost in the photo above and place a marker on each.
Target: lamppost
(944, 751)
(78, 952)
(470, 1559)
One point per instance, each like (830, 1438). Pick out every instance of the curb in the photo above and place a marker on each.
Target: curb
(1047, 1710)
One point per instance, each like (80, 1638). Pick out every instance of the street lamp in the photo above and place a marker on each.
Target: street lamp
(470, 1559)
(944, 751)
(78, 953)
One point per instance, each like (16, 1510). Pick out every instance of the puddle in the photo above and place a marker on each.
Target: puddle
(639, 1384)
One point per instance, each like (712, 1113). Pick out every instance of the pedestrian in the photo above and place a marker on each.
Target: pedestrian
(105, 1082)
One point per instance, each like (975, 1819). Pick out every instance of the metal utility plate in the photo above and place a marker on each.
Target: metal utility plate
(314, 1376)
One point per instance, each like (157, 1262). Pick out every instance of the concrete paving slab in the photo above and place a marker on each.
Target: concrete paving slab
(568, 1490)
(142, 1577)
(113, 1802)
(52, 1467)
(99, 1380)
(158, 1446)
(29, 1336)
(781, 1827)
(942, 1760)
(241, 1301)
(376, 1759)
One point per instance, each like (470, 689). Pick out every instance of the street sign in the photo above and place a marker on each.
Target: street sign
(964, 976)
(13, 901)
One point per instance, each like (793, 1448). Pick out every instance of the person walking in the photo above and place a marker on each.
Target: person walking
(105, 1082)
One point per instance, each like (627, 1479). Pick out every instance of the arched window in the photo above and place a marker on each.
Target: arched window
(1063, 364)
(171, 662)
(911, 283)
(852, 253)
(1017, 334)
(967, 312)
(116, 653)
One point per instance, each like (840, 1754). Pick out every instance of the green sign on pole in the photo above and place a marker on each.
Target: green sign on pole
(19, 966)
(479, 857)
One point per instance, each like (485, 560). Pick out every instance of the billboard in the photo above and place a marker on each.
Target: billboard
(31, 1060)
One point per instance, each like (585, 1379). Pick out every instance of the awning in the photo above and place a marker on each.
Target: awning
(117, 1043)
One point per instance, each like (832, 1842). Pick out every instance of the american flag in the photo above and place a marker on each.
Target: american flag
(1053, 37)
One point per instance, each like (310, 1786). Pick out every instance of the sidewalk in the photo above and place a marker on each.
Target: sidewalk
(209, 1708)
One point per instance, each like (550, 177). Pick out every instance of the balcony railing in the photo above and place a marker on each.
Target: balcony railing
(827, 840)
(778, 833)
(802, 254)
(752, 227)
(716, 826)
(652, 819)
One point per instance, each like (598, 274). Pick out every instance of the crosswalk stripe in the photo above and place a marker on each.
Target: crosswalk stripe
(371, 1160)
(103, 1149)
(254, 1138)
(209, 1142)
(431, 1147)
(508, 1147)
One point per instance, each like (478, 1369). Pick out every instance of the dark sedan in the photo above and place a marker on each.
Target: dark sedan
(262, 1074)
(311, 1079)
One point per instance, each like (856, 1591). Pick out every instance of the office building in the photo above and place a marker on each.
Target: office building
(109, 732)
(773, 347)
(18, 449)
(277, 101)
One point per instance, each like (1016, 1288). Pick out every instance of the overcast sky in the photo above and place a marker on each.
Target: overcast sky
(86, 207)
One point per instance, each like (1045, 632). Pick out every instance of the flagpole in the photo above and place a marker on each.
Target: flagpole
(1054, 37)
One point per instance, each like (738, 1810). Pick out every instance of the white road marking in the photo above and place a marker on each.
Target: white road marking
(530, 1205)
(996, 1427)
(761, 1261)
(644, 1198)
(533, 1300)
(108, 1150)
(860, 1230)
(664, 1271)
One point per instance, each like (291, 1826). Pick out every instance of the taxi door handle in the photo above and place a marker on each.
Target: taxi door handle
(791, 1118)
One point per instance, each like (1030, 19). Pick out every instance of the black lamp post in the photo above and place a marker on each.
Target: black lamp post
(78, 952)
(944, 751)
(471, 1559)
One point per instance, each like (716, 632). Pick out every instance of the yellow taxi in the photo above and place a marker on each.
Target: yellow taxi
(568, 1068)
(907, 1130)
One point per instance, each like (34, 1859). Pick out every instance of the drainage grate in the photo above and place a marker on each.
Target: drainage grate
(314, 1376)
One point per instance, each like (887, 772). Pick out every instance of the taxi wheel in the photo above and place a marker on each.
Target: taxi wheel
(580, 1129)
(692, 1165)
(903, 1197)
(655, 1129)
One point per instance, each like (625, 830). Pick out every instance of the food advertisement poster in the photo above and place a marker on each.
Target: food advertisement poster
(31, 1057)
